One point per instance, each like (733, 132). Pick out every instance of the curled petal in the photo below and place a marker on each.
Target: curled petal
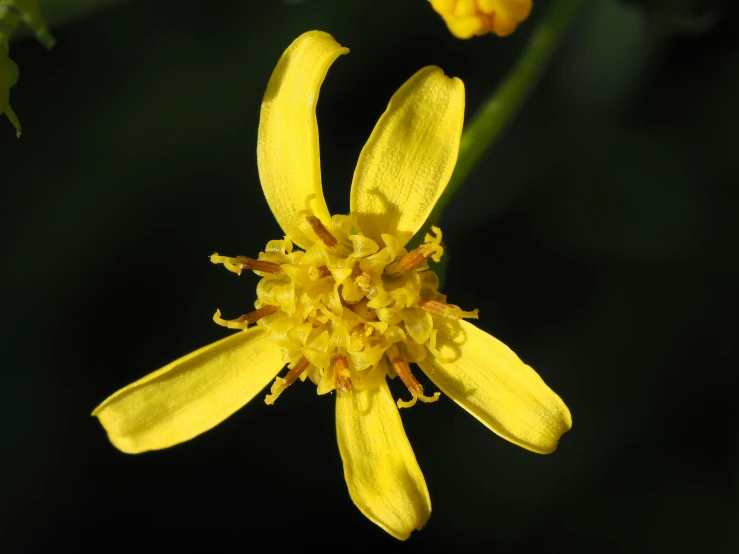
(380, 468)
(190, 395)
(287, 144)
(409, 158)
(487, 379)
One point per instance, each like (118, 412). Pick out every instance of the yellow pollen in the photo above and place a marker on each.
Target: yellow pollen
(321, 232)
(446, 310)
(341, 373)
(362, 280)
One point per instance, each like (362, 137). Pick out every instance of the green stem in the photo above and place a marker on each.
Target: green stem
(500, 108)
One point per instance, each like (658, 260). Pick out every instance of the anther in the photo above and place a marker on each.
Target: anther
(416, 256)
(296, 371)
(403, 370)
(321, 272)
(321, 232)
(281, 383)
(256, 315)
(341, 373)
(445, 310)
(257, 265)
(245, 320)
(431, 248)
(242, 262)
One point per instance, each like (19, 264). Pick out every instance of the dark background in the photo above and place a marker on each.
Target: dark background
(607, 211)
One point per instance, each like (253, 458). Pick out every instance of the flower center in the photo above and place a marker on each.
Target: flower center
(346, 312)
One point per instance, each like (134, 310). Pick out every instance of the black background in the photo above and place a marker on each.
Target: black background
(598, 240)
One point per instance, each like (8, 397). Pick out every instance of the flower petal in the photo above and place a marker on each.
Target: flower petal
(380, 468)
(190, 395)
(489, 381)
(409, 157)
(287, 144)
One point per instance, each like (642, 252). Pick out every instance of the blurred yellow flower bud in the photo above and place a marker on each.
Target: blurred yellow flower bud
(468, 18)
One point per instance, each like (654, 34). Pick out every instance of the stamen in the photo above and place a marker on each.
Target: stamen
(341, 373)
(321, 232)
(281, 383)
(316, 273)
(242, 262)
(446, 310)
(403, 370)
(296, 371)
(431, 248)
(245, 320)
(416, 257)
(258, 265)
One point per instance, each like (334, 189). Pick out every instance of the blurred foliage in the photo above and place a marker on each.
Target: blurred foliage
(12, 13)
(8, 78)
(60, 12)
(682, 16)
(29, 13)
(489, 121)
(598, 238)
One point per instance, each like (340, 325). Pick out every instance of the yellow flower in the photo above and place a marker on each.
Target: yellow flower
(467, 18)
(351, 306)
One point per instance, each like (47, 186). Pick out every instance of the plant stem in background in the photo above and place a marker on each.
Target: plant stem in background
(60, 12)
(503, 105)
(26, 11)
(12, 13)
